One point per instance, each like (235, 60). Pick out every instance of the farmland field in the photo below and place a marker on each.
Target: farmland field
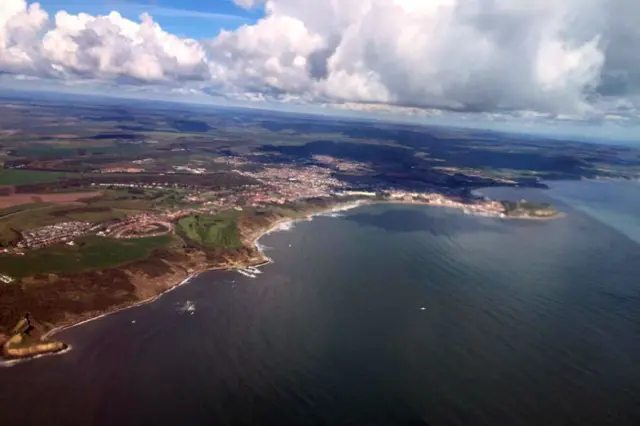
(90, 253)
(22, 177)
(8, 211)
(61, 198)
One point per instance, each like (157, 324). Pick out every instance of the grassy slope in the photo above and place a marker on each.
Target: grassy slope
(212, 231)
(21, 208)
(91, 253)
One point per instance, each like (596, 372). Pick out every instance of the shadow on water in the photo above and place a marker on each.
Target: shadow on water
(415, 220)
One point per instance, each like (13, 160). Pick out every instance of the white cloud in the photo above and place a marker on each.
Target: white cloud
(270, 56)
(85, 46)
(570, 58)
(19, 28)
(112, 46)
(466, 54)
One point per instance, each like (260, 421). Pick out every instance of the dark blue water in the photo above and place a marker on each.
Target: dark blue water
(389, 315)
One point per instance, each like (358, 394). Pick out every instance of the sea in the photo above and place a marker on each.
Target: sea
(381, 315)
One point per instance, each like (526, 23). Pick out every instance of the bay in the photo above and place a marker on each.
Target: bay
(386, 315)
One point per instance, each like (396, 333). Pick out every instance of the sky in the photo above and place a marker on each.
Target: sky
(198, 19)
(570, 66)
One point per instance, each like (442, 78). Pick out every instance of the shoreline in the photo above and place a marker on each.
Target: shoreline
(61, 328)
(284, 223)
(254, 243)
(557, 215)
(281, 224)
(152, 299)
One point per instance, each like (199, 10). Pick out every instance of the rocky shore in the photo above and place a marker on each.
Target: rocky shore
(27, 341)
(14, 349)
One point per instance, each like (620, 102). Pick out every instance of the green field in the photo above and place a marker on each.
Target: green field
(123, 204)
(139, 199)
(211, 231)
(90, 253)
(24, 177)
(62, 151)
(21, 208)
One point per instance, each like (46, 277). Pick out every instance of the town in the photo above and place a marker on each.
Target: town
(276, 185)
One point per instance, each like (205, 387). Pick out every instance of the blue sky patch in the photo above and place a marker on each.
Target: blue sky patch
(186, 18)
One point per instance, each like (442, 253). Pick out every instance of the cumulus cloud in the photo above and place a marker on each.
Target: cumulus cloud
(111, 46)
(19, 43)
(464, 54)
(553, 57)
(85, 46)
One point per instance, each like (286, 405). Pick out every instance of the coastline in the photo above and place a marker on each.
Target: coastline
(61, 328)
(253, 242)
(152, 299)
(5, 363)
(280, 224)
(255, 245)
(557, 215)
